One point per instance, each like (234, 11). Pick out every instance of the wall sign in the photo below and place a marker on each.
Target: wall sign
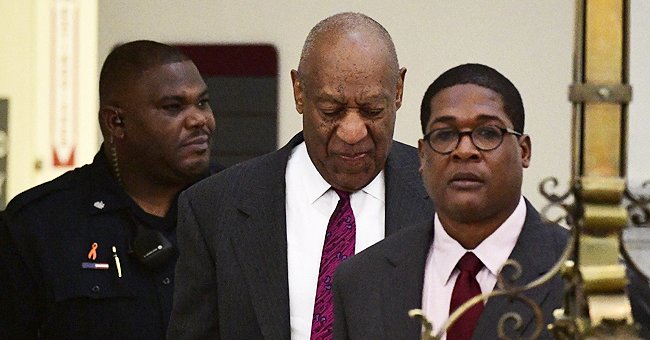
(4, 147)
(64, 81)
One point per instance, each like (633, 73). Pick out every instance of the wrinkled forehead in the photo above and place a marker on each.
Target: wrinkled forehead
(340, 84)
(351, 73)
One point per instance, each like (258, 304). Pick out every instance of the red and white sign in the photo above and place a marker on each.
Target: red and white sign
(64, 81)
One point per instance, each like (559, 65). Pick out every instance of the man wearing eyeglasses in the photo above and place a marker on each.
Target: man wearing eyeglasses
(472, 157)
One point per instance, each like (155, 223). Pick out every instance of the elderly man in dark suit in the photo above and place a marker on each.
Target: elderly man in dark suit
(472, 157)
(258, 246)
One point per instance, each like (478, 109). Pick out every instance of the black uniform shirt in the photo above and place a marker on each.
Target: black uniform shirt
(51, 231)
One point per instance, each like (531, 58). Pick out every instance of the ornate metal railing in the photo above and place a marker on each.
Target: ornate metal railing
(506, 287)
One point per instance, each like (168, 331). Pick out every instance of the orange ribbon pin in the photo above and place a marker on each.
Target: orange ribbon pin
(92, 254)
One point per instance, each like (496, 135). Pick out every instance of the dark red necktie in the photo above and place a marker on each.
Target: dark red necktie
(338, 246)
(465, 288)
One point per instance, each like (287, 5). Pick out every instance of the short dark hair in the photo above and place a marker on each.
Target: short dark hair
(131, 59)
(483, 76)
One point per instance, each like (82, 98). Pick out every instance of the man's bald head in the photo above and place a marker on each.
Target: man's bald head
(128, 61)
(348, 88)
(344, 25)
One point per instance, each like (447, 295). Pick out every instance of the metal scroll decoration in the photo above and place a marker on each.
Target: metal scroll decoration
(507, 288)
(564, 203)
(637, 235)
(639, 206)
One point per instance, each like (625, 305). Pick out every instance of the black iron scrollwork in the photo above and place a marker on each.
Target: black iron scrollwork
(639, 206)
(506, 287)
(639, 209)
(563, 202)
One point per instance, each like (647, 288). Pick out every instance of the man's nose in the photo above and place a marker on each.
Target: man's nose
(352, 128)
(198, 117)
(465, 148)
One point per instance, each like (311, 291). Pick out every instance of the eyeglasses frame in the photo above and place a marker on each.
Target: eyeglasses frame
(469, 133)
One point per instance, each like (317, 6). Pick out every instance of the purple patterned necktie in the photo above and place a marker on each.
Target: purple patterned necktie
(338, 246)
(465, 288)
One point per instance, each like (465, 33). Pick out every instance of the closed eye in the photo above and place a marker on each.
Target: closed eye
(175, 107)
(375, 112)
(331, 112)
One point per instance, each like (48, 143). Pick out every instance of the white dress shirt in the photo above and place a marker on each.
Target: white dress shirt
(309, 204)
(440, 273)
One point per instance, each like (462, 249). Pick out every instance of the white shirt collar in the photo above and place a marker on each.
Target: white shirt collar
(312, 182)
(493, 251)
(315, 185)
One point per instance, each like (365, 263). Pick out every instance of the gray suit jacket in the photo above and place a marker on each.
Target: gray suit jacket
(231, 276)
(374, 290)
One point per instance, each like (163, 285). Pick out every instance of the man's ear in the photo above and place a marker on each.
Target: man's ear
(111, 118)
(297, 90)
(526, 149)
(421, 146)
(400, 88)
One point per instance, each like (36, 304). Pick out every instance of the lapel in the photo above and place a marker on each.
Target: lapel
(260, 242)
(407, 202)
(402, 289)
(532, 242)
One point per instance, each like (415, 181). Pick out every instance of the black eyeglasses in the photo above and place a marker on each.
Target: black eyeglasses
(485, 138)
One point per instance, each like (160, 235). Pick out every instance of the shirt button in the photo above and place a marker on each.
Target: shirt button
(166, 281)
(95, 289)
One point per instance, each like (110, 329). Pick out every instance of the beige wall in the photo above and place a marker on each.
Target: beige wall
(639, 137)
(25, 77)
(17, 83)
(529, 41)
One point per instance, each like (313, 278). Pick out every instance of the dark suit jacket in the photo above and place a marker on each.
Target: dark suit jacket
(232, 280)
(374, 290)
(638, 290)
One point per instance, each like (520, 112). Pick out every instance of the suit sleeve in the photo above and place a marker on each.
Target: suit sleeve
(639, 292)
(195, 312)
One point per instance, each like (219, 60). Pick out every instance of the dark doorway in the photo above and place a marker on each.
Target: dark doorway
(242, 81)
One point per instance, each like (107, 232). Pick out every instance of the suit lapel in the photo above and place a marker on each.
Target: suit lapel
(402, 289)
(530, 245)
(407, 202)
(260, 243)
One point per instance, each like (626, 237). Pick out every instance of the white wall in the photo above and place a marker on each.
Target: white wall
(17, 82)
(529, 41)
(25, 79)
(639, 123)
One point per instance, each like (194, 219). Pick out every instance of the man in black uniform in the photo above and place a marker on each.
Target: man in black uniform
(90, 255)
